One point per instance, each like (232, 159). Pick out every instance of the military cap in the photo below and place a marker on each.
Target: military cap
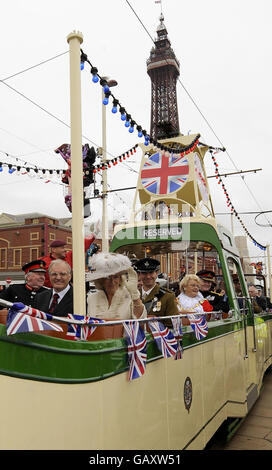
(35, 266)
(146, 265)
(57, 243)
(206, 275)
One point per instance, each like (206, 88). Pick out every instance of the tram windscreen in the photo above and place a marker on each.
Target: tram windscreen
(177, 258)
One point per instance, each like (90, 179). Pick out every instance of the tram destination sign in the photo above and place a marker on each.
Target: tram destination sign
(162, 232)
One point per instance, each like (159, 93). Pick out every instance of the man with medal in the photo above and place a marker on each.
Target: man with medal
(158, 301)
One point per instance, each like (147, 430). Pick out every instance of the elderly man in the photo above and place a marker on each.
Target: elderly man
(253, 292)
(59, 299)
(157, 300)
(207, 281)
(27, 293)
(59, 251)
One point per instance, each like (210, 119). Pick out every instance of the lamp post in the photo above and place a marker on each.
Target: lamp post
(105, 226)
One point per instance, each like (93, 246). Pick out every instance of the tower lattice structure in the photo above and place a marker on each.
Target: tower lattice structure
(163, 69)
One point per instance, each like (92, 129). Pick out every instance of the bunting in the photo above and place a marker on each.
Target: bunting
(177, 330)
(23, 319)
(164, 338)
(81, 331)
(137, 350)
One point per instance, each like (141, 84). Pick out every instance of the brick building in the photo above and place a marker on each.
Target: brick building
(26, 237)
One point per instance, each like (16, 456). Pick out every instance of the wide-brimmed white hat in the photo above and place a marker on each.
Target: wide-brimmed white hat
(107, 264)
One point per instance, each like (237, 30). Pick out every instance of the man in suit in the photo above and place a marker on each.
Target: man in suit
(159, 301)
(59, 300)
(27, 293)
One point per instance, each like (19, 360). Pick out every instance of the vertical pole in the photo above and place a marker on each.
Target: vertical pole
(75, 39)
(195, 262)
(105, 229)
(269, 271)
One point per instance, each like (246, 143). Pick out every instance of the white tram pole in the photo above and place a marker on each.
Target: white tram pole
(74, 40)
(269, 271)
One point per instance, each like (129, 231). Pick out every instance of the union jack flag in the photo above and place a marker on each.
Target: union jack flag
(33, 312)
(137, 355)
(83, 331)
(163, 174)
(199, 325)
(177, 330)
(20, 320)
(164, 338)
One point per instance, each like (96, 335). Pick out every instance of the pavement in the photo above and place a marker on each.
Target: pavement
(255, 433)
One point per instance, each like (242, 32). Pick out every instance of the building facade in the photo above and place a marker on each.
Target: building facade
(27, 237)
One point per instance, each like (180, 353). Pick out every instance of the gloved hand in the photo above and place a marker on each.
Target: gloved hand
(131, 283)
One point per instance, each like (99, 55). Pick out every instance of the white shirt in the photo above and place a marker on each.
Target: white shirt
(61, 294)
(145, 293)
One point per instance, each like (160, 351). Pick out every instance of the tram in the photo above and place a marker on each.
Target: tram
(58, 393)
(176, 404)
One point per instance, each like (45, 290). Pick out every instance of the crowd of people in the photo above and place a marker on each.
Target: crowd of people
(122, 289)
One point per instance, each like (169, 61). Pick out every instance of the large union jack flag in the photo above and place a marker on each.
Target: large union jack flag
(137, 355)
(199, 325)
(164, 338)
(24, 319)
(77, 331)
(163, 174)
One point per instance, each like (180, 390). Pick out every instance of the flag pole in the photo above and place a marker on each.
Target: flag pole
(74, 40)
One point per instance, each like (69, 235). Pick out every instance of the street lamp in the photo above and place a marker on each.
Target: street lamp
(105, 227)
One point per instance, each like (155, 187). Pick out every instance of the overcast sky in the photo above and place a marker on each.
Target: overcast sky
(224, 49)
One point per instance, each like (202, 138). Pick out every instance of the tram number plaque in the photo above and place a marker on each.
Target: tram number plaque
(188, 393)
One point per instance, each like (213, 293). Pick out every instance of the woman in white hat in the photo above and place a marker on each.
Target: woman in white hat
(116, 282)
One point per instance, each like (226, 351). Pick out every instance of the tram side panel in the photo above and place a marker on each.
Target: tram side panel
(185, 399)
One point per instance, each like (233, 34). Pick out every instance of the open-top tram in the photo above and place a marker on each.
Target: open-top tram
(59, 393)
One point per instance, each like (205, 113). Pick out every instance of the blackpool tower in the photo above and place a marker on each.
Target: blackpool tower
(163, 69)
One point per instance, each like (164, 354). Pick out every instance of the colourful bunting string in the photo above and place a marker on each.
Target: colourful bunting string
(229, 203)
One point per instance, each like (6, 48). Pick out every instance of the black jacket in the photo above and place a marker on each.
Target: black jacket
(21, 293)
(64, 307)
(219, 302)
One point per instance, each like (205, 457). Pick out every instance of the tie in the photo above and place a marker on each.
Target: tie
(54, 303)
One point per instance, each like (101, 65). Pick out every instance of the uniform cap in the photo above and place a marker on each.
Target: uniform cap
(107, 264)
(57, 243)
(146, 265)
(35, 266)
(206, 275)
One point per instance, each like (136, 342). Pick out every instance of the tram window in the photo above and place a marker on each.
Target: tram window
(236, 277)
(177, 258)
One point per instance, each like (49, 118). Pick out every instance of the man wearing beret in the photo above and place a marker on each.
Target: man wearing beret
(158, 301)
(35, 275)
(207, 281)
(59, 251)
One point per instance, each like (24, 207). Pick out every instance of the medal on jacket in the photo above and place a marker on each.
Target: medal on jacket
(157, 305)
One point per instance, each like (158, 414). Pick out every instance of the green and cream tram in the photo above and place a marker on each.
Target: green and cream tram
(78, 392)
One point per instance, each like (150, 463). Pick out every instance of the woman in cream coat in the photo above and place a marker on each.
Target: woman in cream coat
(116, 294)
